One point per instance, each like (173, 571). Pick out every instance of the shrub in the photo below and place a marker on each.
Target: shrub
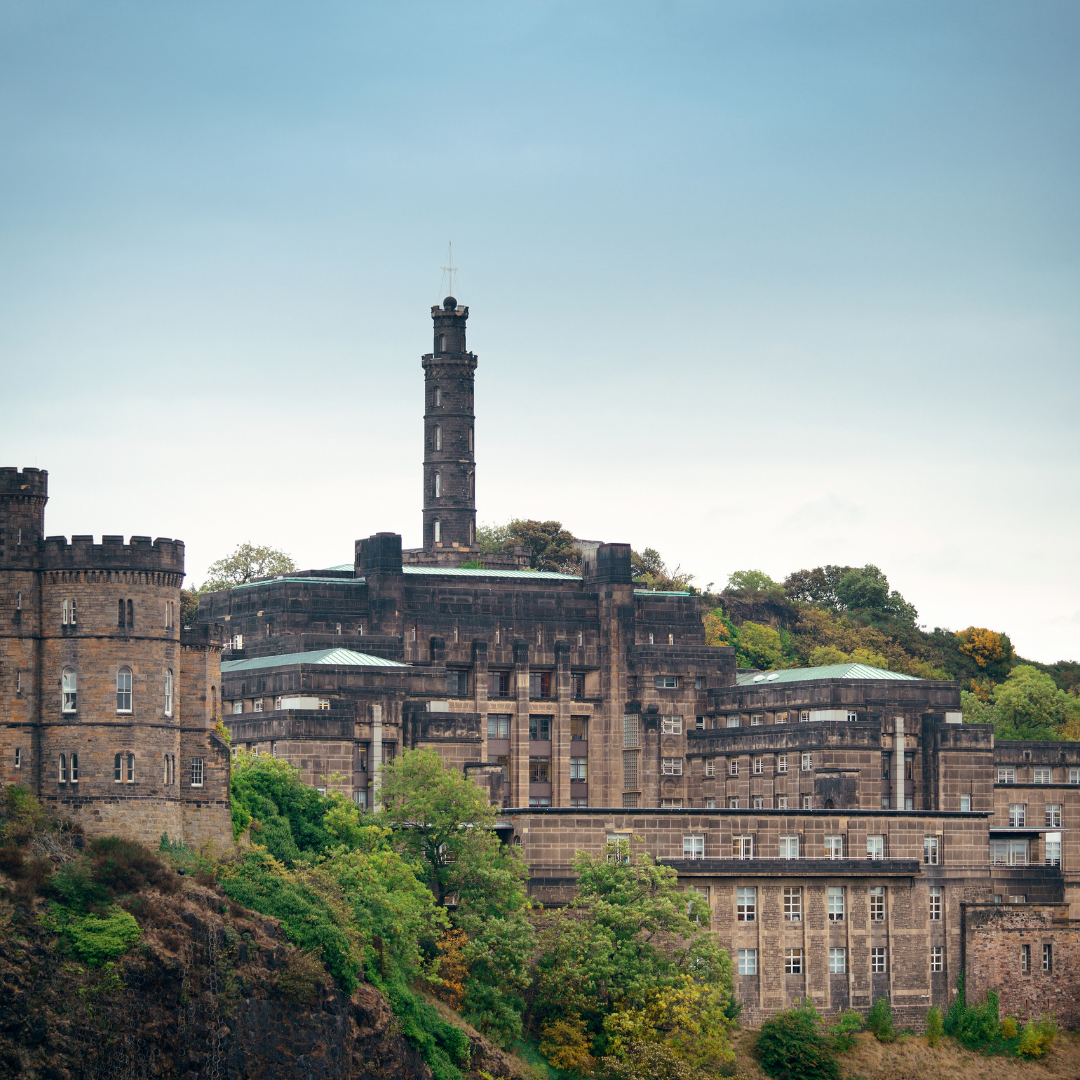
(879, 1021)
(97, 939)
(22, 815)
(648, 1061)
(848, 1024)
(75, 886)
(1009, 1028)
(934, 1026)
(301, 976)
(792, 1046)
(1037, 1037)
(443, 1046)
(122, 867)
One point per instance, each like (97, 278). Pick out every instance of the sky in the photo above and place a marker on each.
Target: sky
(761, 285)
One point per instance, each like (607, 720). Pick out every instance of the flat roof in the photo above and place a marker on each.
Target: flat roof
(336, 657)
(829, 671)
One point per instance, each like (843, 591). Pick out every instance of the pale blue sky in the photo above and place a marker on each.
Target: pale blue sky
(761, 285)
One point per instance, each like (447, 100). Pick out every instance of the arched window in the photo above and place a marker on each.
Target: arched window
(438, 437)
(129, 764)
(438, 397)
(131, 613)
(74, 768)
(123, 690)
(168, 692)
(438, 485)
(61, 773)
(70, 689)
(119, 612)
(438, 532)
(118, 768)
(442, 343)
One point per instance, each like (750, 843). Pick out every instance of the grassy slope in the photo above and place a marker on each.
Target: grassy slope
(910, 1058)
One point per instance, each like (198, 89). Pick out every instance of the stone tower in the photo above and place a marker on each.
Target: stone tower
(449, 461)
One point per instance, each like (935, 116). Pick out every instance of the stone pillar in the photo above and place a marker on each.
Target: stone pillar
(898, 764)
(560, 737)
(519, 729)
(375, 764)
(480, 689)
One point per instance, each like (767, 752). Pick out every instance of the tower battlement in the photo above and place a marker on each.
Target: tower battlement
(26, 483)
(163, 554)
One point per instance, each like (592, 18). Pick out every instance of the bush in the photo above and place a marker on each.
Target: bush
(123, 867)
(97, 939)
(22, 816)
(301, 977)
(443, 1046)
(1037, 1037)
(1009, 1028)
(934, 1026)
(648, 1061)
(848, 1024)
(880, 1022)
(792, 1046)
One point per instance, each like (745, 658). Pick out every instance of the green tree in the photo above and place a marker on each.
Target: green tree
(792, 1046)
(189, 606)
(866, 592)
(991, 652)
(758, 647)
(550, 547)
(1029, 705)
(751, 582)
(650, 569)
(818, 586)
(247, 563)
(493, 539)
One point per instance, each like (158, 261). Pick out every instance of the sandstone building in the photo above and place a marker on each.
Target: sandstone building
(107, 705)
(843, 821)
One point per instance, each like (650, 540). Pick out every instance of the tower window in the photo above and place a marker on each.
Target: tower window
(470, 440)
(168, 692)
(131, 613)
(438, 437)
(18, 757)
(197, 772)
(74, 768)
(18, 601)
(123, 690)
(441, 346)
(438, 397)
(69, 685)
(67, 612)
(61, 775)
(438, 485)
(438, 532)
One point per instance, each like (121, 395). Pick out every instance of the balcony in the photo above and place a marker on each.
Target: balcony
(788, 868)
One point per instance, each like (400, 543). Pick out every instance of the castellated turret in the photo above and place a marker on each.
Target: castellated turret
(107, 706)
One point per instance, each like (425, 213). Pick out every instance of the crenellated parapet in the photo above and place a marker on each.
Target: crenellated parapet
(162, 555)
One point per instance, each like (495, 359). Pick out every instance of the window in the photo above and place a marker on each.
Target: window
(781, 802)
(667, 682)
(748, 961)
(877, 903)
(1053, 815)
(804, 716)
(579, 728)
(579, 800)
(1006, 776)
(540, 684)
(579, 769)
(834, 847)
(1009, 852)
(793, 903)
(498, 726)
(197, 772)
(1025, 959)
(807, 762)
(930, 850)
(746, 903)
(733, 722)
(742, 847)
(324, 703)
(781, 763)
(733, 802)
(61, 770)
(539, 800)
(618, 848)
(756, 720)
(438, 446)
(18, 757)
(937, 958)
(878, 960)
(758, 802)
(457, 683)
(69, 683)
(1042, 776)
(1048, 958)
(437, 526)
(169, 613)
(671, 725)
(18, 682)
(699, 682)
(965, 804)
(67, 612)
(119, 612)
(168, 692)
(630, 770)
(875, 847)
(837, 961)
(257, 705)
(438, 389)
(710, 804)
(671, 804)
(540, 770)
(74, 768)
(577, 685)
(237, 707)
(781, 718)
(1052, 855)
(131, 614)
(1017, 815)
(123, 690)
(671, 766)
(789, 847)
(693, 847)
(852, 716)
(1074, 776)
(18, 601)
(671, 639)
(581, 641)
(733, 767)
(498, 682)
(710, 766)
(124, 768)
(759, 765)
(936, 895)
(808, 802)
(793, 961)
(438, 486)
(836, 903)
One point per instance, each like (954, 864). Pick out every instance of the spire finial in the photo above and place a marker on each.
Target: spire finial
(450, 269)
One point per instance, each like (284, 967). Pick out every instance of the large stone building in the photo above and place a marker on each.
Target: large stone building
(841, 820)
(107, 705)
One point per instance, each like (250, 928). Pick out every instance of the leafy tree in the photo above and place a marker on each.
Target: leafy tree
(1028, 705)
(879, 1020)
(493, 539)
(247, 563)
(649, 1061)
(758, 647)
(792, 1046)
(992, 652)
(825, 655)
(189, 606)
(818, 586)
(718, 628)
(651, 570)
(549, 545)
(935, 1027)
(866, 591)
(749, 582)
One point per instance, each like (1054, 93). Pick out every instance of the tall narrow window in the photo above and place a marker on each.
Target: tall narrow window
(438, 532)
(130, 769)
(119, 612)
(18, 601)
(937, 893)
(197, 772)
(1025, 958)
(61, 774)
(442, 348)
(18, 757)
(470, 440)
(877, 903)
(438, 392)
(792, 903)
(836, 903)
(118, 769)
(746, 903)
(168, 692)
(131, 613)
(18, 682)
(74, 768)
(70, 681)
(438, 437)
(1048, 958)
(123, 690)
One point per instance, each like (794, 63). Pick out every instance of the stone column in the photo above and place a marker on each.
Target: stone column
(560, 737)
(519, 729)
(480, 689)
(899, 770)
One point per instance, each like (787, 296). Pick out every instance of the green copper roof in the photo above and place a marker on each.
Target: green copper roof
(302, 581)
(657, 592)
(457, 571)
(338, 657)
(805, 674)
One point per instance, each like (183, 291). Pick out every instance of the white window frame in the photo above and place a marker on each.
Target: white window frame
(759, 764)
(877, 903)
(1074, 776)
(875, 846)
(1053, 815)
(746, 903)
(1006, 776)
(937, 902)
(931, 850)
(168, 691)
(837, 961)
(781, 802)
(734, 722)
(693, 846)
(671, 766)
(834, 847)
(666, 682)
(710, 766)
(836, 903)
(808, 802)
(789, 847)
(937, 958)
(1017, 815)
(197, 772)
(781, 763)
(69, 683)
(579, 769)
(671, 725)
(757, 802)
(806, 762)
(742, 847)
(756, 720)
(1042, 776)
(124, 693)
(793, 961)
(879, 960)
(965, 804)
(748, 962)
(733, 802)
(733, 767)
(792, 903)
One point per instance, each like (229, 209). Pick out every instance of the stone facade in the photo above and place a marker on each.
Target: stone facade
(591, 709)
(106, 705)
